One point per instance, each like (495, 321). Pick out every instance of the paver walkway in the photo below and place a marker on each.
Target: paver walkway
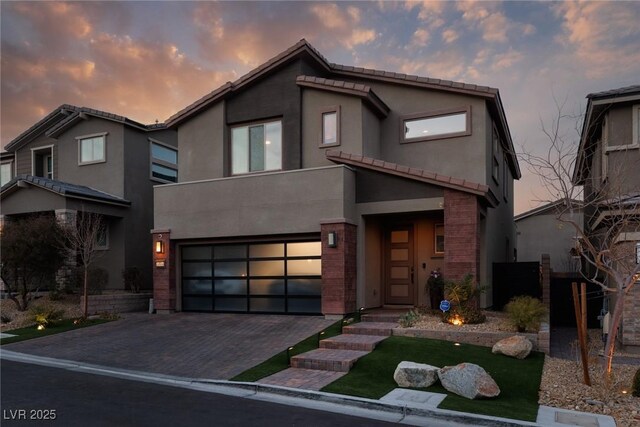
(194, 345)
(318, 368)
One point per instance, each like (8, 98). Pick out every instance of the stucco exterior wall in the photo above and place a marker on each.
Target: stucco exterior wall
(24, 162)
(261, 204)
(202, 152)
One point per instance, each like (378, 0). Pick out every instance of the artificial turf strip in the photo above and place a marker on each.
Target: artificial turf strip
(280, 362)
(519, 380)
(30, 332)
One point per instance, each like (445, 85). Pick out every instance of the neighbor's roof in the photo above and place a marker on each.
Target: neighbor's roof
(304, 47)
(66, 115)
(413, 174)
(548, 207)
(597, 104)
(64, 189)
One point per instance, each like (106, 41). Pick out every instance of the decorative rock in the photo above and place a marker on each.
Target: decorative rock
(468, 380)
(516, 346)
(411, 374)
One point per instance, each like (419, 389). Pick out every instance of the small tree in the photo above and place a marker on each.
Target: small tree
(83, 236)
(30, 256)
(609, 212)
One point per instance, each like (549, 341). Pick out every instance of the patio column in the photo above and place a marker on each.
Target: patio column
(164, 278)
(461, 235)
(339, 264)
(64, 275)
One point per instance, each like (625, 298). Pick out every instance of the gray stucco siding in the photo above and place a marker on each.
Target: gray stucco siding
(24, 161)
(376, 187)
(202, 154)
(264, 204)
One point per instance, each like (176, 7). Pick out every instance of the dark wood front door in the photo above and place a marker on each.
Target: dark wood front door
(399, 269)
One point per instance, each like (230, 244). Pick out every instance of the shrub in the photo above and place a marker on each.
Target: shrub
(409, 319)
(635, 387)
(5, 319)
(132, 277)
(525, 313)
(46, 316)
(463, 296)
(98, 279)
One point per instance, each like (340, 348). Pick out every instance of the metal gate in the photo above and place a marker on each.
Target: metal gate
(512, 279)
(562, 313)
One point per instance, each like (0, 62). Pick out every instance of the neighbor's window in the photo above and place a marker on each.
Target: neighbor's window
(102, 238)
(92, 148)
(439, 239)
(6, 172)
(505, 178)
(636, 126)
(257, 147)
(331, 127)
(495, 147)
(440, 124)
(164, 162)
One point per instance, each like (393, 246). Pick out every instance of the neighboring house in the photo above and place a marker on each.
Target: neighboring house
(311, 187)
(83, 160)
(540, 232)
(608, 165)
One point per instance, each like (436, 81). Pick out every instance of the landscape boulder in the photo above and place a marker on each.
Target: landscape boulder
(516, 346)
(468, 380)
(411, 374)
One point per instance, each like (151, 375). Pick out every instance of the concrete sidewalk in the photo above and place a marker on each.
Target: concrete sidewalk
(215, 346)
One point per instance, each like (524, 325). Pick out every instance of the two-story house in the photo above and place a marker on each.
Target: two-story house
(608, 166)
(312, 187)
(78, 159)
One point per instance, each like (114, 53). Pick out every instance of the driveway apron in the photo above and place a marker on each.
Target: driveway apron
(213, 346)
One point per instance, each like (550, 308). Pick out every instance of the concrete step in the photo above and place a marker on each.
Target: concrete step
(309, 379)
(370, 328)
(352, 342)
(384, 316)
(327, 359)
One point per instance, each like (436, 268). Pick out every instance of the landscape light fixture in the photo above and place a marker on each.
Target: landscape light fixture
(332, 239)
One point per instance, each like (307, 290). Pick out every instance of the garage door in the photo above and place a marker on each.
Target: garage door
(282, 277)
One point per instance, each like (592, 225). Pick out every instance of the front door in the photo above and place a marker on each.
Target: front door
(399, 271)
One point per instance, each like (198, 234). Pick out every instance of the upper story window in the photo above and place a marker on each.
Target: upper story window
(92, 148)
(164, 162)
(6, 172)
(604, 161)
(636, 126)
(42, 161)
(436, 125)
(256, 147)
(330, 127)
(505, 178)
(495, 148)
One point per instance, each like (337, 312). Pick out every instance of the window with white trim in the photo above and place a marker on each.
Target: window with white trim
(330, 127)
(92, 149)
(6, 172)
(164, 162)
(256, 147)
(431, 125)
(635, 134)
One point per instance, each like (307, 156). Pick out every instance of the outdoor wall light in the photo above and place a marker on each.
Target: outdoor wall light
(332, 239)
(159, 247)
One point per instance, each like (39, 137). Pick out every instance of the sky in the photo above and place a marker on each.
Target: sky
(146, 60)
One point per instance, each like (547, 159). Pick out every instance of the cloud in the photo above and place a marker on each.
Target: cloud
(420, 37)
(450, 35)
(603, 36)
(492, 22)
(506, 60)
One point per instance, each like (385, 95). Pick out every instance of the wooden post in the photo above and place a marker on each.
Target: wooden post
(581, 318)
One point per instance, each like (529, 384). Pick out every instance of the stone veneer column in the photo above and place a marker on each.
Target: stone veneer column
(339, 266)
(64, 275)
(164, 278)
(461, 235)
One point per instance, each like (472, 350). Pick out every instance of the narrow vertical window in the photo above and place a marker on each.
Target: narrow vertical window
(256, 148)
(439, 239)
(164, 162)
(330, 127)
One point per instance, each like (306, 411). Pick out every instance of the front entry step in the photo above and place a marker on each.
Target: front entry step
(327, 359)
(383, 329)
(352, 342)
(386, 316)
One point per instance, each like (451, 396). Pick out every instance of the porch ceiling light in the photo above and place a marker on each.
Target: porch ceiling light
(332, 239)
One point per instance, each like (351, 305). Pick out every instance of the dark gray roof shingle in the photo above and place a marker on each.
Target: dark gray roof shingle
(628, 90)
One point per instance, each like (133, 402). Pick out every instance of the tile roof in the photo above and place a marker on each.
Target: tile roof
(410, 173)
(628, 90)
(66, 189)
(555, 207)
(357, 89)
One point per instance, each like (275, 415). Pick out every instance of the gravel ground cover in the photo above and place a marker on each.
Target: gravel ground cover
(20, 319)
(562, 383)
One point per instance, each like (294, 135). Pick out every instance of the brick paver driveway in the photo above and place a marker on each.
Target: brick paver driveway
(214, 346)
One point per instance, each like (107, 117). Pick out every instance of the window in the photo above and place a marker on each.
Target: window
(330, 127)
(435, 125)
(6, 172)
(102, 238)
(42, 164)
(638, 253)
(636, 126)
(505, 178)
(604, 161)
(619, 144)
(164, 162)
(439, 239)
(92, 149)
(256, 148)
(495, 147)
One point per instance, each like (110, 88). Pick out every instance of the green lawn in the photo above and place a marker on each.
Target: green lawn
(279, 362)
(519, 380)
(30, 332)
